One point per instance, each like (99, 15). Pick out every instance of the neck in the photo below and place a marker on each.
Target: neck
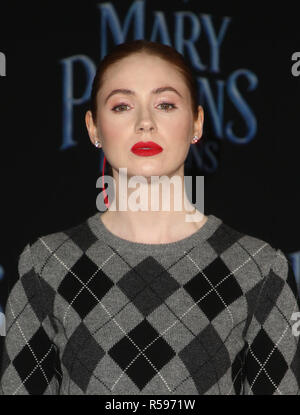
(154, 212)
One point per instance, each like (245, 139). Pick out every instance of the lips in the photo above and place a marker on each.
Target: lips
(146, 145)
(145, 149)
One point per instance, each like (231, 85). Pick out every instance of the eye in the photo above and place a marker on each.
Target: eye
(167, 103)
(118, 106)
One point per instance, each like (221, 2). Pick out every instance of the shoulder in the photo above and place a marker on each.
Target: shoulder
(53, 255)
(244, 248)
(249, 258)
(261, 269)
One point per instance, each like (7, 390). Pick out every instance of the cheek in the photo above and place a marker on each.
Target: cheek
(110, 128)
(178, 128)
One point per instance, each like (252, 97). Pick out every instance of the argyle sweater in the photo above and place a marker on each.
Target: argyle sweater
(93, 313)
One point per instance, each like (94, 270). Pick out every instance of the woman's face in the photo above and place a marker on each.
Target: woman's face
(166, 118)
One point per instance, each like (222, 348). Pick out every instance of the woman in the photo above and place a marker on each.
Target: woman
(145, 301)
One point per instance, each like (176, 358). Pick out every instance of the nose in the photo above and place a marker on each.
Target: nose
(145, 123)
(146, 128)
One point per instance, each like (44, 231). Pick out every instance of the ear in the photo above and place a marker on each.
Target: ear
(92, 129)
(198, 124)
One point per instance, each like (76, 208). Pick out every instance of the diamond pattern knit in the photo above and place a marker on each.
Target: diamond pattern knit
(92, 313)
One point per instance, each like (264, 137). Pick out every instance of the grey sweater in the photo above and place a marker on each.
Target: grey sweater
(92, 313)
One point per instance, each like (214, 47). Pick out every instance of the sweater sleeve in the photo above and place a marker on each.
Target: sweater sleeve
(29, 363)
(272, 359)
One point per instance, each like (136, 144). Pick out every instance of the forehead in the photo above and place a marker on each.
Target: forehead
(141, 69)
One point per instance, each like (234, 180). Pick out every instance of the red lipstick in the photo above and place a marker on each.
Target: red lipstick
(144, 149)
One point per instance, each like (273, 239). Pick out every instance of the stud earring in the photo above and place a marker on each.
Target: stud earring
(97, 143)
(195, 139)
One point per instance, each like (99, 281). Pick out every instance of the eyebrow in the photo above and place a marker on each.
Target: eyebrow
(130, 92)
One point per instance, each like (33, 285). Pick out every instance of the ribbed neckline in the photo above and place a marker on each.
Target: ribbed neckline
(103, 233)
